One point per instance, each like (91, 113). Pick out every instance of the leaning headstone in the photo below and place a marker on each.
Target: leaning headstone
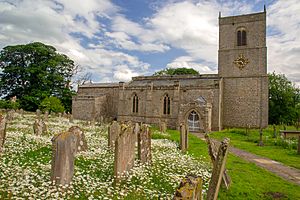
(113, 131)
(144, 144)
(38, 113)
(63, 155)
(162, 127)
(39, 127)
(183, 137)
(124, 151)
(2, 131)
(213, 148)
(218, 170)
(190, 188)
(81, 140)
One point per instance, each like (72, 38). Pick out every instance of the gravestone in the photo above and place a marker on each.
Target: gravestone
(39, 127)
(144, 144)
(81, 140)
(218, 170)
(71, 119)
(10, 115)
(46, 115)
(190, 188)
(59, 115)
(63, 155)
(124, 151)
(2, 131)
(163, 127)
(113, 131)
(213, 148)
(38, 113)
(183, 137)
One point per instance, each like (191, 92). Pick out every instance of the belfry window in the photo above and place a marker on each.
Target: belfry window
(135, 104)
(241, 37)
(166, 106)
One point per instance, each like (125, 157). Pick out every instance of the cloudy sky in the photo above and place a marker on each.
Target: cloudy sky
(117, 39)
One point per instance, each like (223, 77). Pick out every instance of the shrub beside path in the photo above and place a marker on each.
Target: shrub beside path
(288, 173)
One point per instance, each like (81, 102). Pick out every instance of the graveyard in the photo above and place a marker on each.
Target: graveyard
(156, 168)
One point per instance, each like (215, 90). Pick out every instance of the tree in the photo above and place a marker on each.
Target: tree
(33, 72)
(284, 99)
(52, 104)
(176, 71)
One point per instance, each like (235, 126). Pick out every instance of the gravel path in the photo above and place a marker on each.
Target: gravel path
(286, 172)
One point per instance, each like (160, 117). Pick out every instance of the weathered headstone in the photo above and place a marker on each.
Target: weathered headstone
(113, 131)
(124, 151)
(144, 144)
(183, 137)
(71, 119)
(65, 115)
(63, 154)
(39, 127)
(10, 115)
(38, 113)
(2, 131)
(81, 140)
(218, 170)
(46, 115)
(190, 188)
(163, 127)
(213, 148)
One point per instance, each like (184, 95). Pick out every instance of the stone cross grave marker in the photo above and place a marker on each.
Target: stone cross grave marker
(213, 148)
(113, 131)
(124, 151)
(81, 140)
(183, 137)
(144, 144)
(218, 170)
(2, 131)
(162, 126)
(39, 127)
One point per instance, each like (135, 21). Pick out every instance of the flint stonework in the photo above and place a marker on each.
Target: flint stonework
(144, 144)
(2, 131)
(183, 137)
(63, 155)
(218, 170)
(113, 131)
(190, 188)
(124, 151)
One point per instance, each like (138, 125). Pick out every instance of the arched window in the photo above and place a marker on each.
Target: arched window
(241, 37)
(135, 104)
(167, 106)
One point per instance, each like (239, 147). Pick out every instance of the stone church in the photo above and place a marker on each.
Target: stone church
(235, 97)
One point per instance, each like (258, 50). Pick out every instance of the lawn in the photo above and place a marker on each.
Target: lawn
(248, 180)
(275, 148)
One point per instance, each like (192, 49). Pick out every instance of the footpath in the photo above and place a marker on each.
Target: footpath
(286, 172)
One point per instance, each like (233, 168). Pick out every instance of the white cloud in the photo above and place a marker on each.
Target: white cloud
(123, 73)
(284, 45)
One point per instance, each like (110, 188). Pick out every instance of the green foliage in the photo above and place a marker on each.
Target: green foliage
(6, 104)
(52, 104)
(176, 71)
(284, 100)
(33, 72)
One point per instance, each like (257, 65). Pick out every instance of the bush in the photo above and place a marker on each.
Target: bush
(5, 104)
(52, 104)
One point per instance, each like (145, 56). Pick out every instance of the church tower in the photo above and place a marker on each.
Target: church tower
(243, 98)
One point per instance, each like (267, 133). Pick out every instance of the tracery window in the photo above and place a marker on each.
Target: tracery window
(241, 37)
(135, 104)
(166, 106)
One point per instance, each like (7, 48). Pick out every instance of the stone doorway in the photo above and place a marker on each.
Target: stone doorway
(194, 121)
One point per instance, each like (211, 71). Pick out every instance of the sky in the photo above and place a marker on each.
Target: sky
(114, 40)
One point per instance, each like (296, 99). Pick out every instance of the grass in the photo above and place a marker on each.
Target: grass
(284, 151)
(248, 180)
